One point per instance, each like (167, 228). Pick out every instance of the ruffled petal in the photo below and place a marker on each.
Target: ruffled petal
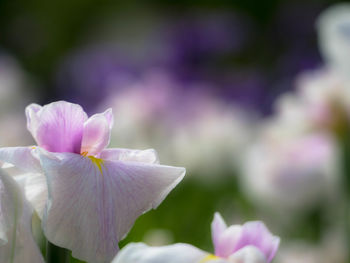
(248, 254)
(177, 253)
(256, 234)
(97, 132)
(128, 155)
(58, 126)
(93, 202)
(22, 157)
(16, 241)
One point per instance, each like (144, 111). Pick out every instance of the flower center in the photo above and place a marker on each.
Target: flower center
(98, 162)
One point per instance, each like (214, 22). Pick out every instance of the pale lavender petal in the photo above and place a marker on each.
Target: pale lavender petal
(21, 157)
(93, 203)
(109, 116)
(224, 238)
(218, 226)
(128, 155)
(32, 118)
(16, 240)
(35, 189)
(97, 132)
(177, 253)
(58, 126)
(248, 254)
(256, 234)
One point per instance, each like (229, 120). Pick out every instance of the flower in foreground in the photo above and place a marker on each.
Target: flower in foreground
(249, 243)
(16, 240)
(94, 194)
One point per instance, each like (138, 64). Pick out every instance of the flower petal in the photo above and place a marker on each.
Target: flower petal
(32, 118)
(177, 253)
(93, 202)
(128, 155)
(256, 234)
(35, 189)
(224, 238)
(248, 254)
(16, 241)
(58, 126)
(97, 132)
(22, 157)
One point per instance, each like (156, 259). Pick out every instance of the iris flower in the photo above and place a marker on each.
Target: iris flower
(249, 243)
(94, 194)
(16, 240)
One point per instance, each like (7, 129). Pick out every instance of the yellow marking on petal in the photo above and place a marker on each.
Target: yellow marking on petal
(98, 162)
(208, 258)
(84, 154)
(33, 147)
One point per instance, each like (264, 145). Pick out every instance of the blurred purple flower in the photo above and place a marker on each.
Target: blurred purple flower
(88, 76)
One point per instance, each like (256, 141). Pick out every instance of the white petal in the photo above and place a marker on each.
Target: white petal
(16, 241)
(22, 157)
(120, 154)
(35, 189)
(248, 254)
(177, 253)
(93, 204)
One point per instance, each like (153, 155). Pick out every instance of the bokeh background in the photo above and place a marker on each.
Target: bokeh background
(208, 84)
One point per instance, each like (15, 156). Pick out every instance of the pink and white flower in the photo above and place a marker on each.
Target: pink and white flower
(249, 243)
(94, 194)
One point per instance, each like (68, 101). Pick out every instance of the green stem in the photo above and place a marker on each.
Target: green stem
(56, 254)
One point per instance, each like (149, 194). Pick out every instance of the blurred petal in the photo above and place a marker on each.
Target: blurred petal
(58, 126)
(333, 27)
(16, 241)
(93, 202)
(248, 254)
(97, 132)
(119, 154)
(256, 234)
(21, 157)
(177, 253)
(224, 238)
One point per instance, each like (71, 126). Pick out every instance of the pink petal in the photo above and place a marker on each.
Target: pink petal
(224, 238)
(218, 226)
(256, 234)
(22, 157)
(58, 126)
(93, 204)
(97, 131)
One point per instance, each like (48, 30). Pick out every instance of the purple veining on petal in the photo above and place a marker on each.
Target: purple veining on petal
(58, 127)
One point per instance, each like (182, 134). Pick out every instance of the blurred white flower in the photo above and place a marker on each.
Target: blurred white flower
(333, 27)
(285, 170)
(321, 101)
(187, 126)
